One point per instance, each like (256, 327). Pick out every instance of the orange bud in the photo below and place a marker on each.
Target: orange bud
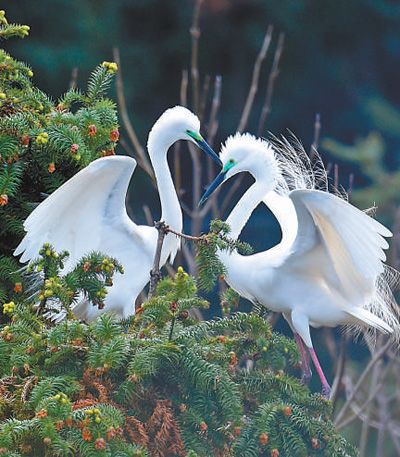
(18, 288)
(203, 426)
(51, 168)
(92, 130)
(263, 439)
(114, 135)
(100, 443)
(287, 411)
(3, 200)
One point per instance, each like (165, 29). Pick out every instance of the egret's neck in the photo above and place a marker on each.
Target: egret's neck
(283, 209)
(244, 208)
(171, 212)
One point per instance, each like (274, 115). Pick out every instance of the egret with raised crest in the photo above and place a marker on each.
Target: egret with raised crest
(88, 213)
(328, 269)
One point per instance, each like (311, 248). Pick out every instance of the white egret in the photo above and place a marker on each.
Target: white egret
(88, 213)
(328, 268)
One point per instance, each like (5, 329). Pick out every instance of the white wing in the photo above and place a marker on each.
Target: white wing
(89, 206)
(348, 243)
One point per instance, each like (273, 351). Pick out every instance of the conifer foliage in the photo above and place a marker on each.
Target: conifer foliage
(43, 143)
(160, 384)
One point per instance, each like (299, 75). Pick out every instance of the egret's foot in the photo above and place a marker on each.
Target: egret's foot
(326, 391)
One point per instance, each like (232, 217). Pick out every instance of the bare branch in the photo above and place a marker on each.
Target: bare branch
(74, 78)
(155, 274)
(375, 357)
(317, 132)
(254, 80)
(140, 153)
(195, 36)
(351, 184)
(216, 102)
(340, 366)
(177, 146)
(231, 192)
(266, 109)
(148, 215)
(204, 97)
(336, 176)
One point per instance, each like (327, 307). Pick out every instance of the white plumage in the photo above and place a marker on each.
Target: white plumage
(88, 213)
(328, 269)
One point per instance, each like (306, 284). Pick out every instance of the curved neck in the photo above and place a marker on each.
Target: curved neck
(283, 209)
(171, 212)
(242, 211)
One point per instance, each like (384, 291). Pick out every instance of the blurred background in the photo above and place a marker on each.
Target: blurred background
(340, 59)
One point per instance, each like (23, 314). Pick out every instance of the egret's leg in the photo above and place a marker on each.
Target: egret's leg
(301, 324)
(305, 358)
(326, 388)
(305, 365)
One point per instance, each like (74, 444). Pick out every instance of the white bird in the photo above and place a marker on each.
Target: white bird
(328, 268)
(88, 213)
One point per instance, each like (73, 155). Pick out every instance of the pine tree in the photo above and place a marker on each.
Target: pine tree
(160, 384)
(43, 143)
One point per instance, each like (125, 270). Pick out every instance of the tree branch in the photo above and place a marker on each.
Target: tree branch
(140, 153)
(266, 109)
(255, 79)
(155, 274)
(195, 36)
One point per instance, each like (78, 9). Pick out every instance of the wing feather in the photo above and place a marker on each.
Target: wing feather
(79, 213)
(352, 241)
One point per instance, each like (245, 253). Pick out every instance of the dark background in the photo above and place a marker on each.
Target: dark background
(341, 59)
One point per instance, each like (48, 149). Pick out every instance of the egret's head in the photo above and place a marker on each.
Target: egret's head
(178, 123)
(245, 152)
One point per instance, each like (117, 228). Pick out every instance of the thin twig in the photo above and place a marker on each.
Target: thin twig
(195, 36)
(140, 153)
(216, 102)
(340, 366)
(183, 235)
(211, 132)
(155, 274)
(177, 146)
(350, 188)
(266, 109)
(74, 78)
(365, 427)
(204, 97)
(255, 80)
(378, 354)
(336, 176)
(317, 132)
(148, 215)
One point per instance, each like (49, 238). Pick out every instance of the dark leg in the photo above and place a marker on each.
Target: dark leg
(305, 365)
(326, 388)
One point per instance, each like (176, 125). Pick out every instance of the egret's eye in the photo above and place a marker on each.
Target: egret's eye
(229, 164)
(196, 136)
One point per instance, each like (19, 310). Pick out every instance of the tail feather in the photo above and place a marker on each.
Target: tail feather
(366, 317)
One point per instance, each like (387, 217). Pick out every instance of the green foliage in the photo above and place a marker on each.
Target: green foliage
(161, 384)
(209, 265)
(43, 143)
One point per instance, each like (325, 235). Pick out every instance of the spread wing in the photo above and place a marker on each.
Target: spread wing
(87, 208)
(347, 243)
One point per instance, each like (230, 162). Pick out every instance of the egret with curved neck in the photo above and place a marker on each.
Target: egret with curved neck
(88, 213)
(328, 268)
